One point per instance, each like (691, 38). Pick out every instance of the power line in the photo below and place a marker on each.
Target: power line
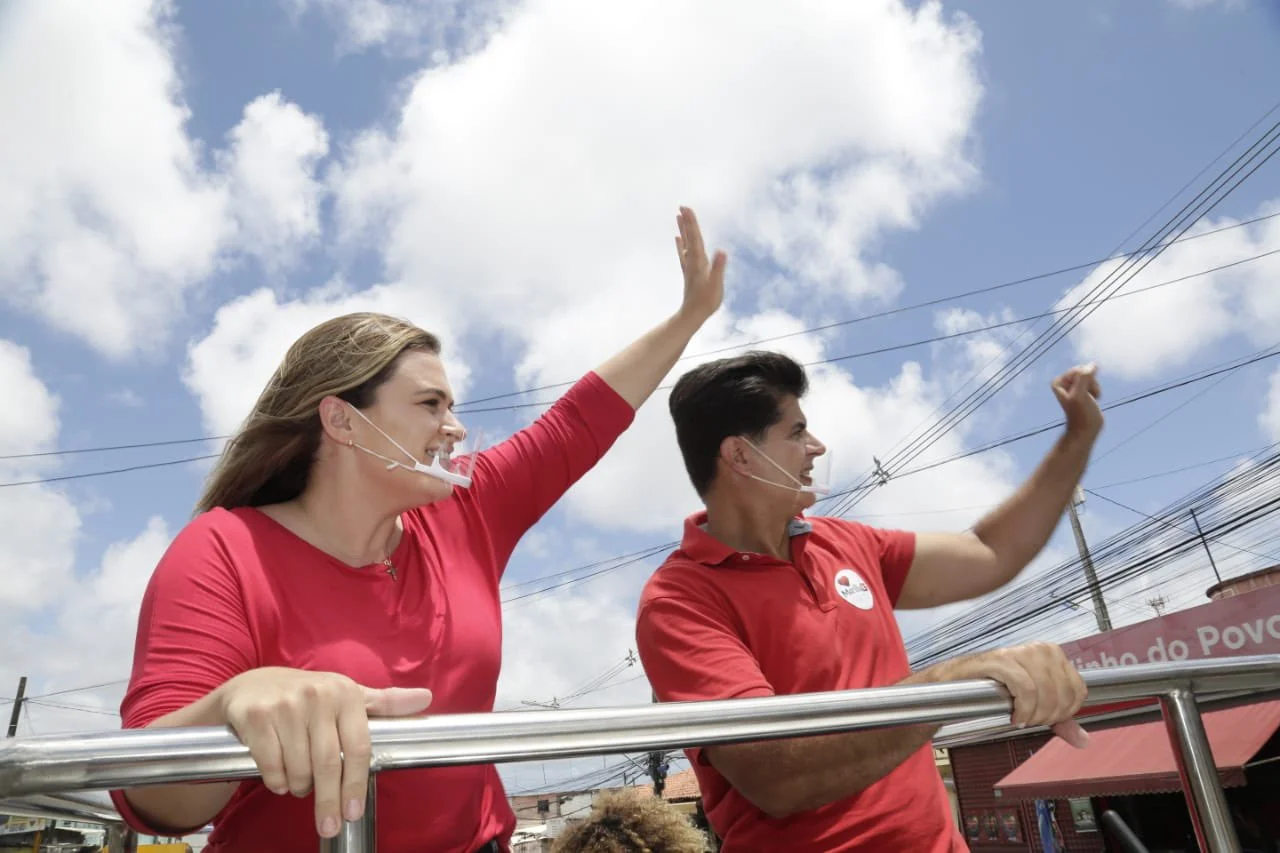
(1244, 498)
(462, 407)
(1202, 204)
(533, 581)
(604, 567)
(1125, 506)
(1185, 468)
(573, 581)
(1269, 353)
(1160, 390)
(950, 336)
(107, 448)
(143, 467)
(84, 709)
(84, 689)
(890, 312)
(1164, 417)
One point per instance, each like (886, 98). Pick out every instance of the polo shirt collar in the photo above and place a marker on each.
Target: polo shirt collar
(702, 547)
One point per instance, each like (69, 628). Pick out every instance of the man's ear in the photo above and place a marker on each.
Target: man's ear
(735, 454)
(335, 420)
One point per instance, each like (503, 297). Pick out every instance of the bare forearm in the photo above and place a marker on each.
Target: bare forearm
(785, 777)
(827, 768)
(1018, 529)
(636, 371)
(187, 806)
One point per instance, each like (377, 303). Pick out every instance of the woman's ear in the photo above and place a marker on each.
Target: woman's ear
(335, 420)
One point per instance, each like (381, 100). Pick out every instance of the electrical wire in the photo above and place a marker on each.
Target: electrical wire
(1240, 170)
(599, 568)
(463, 407)
(1248, 497)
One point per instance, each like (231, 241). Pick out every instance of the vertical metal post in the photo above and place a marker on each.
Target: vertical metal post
(357, 836)
(121, 839)
(1200, 782)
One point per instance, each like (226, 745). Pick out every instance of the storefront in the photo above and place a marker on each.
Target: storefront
(1015, 791)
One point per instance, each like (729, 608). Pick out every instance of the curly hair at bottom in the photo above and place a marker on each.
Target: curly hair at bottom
(626, 823)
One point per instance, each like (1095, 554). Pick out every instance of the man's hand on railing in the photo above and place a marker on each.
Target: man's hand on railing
(299, 726)
(1045, 686)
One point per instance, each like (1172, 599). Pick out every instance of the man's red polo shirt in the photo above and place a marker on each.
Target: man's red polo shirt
(717, 624)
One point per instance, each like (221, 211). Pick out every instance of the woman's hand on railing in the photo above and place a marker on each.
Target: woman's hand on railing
(1047, 689)
(310, 730)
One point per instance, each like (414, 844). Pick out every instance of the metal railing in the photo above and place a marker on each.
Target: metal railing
(59, 764)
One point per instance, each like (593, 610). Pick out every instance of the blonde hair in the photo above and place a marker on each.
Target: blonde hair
(269, 460)
(625, 823)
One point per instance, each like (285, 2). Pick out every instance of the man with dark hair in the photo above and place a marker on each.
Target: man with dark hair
(760, 601)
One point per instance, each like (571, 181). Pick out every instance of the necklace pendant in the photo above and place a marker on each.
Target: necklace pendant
(391, 569)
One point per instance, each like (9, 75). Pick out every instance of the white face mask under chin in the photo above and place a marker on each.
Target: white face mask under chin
(815, 488)
(457, 474)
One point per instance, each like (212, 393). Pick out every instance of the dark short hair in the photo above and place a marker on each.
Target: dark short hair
(736, 396)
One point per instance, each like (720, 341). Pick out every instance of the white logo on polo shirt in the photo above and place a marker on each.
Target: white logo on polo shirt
(853, 589)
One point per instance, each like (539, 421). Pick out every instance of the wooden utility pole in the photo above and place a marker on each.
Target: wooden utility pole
(1091, 577)
(17, 706)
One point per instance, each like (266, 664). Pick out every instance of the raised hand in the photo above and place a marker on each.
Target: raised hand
(1078, 391)
(703, 279)
(310, 731)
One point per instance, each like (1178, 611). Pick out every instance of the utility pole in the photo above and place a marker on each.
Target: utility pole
(1099, 603)
(17, 706)
(658, 766)
(1205, 543)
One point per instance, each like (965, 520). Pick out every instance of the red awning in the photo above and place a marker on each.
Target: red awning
(1138, 759)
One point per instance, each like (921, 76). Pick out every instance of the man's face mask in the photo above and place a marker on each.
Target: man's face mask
(450, 463)
(819, 473)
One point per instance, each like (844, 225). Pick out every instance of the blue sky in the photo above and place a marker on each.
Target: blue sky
(221, 169)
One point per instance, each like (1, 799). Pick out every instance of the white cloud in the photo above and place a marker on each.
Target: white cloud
(85, 661)
(521, 201)
(512, 179)
(29, 418)
(109, 210)
(541, 663)
(979, 355)
(228, 368)
(983, 353)
(41, 525)
(126, 397)
(105, 214)
(271, 164)
(99, 616)
(1145, 334)
(484, 145)
(440, 29)
(1269, 420)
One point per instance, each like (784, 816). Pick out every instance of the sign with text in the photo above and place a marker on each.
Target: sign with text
(1246, 624)
(22, 825)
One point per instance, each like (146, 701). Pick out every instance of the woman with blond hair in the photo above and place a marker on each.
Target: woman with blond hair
(344, 565)
(627, 823)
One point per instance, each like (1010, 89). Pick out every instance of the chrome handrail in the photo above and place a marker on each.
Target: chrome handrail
(132, 758)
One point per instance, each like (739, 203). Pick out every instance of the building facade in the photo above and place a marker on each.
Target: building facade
(1028, 793)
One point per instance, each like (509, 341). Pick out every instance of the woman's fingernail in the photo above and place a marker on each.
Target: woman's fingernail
(353, 809)
(329, 826)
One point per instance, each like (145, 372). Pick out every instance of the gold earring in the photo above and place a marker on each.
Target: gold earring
(351, 442)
